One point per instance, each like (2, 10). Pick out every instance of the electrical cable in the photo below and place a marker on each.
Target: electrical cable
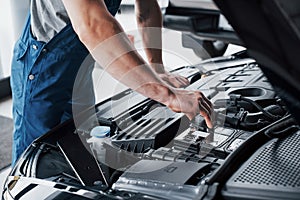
(256, 105)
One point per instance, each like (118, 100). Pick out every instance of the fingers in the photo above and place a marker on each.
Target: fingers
(206, 110)
(207, 105)
(205, 115)
(207, 118)
(175, 80)
(192, 103)
(183, 81)
(204, 106)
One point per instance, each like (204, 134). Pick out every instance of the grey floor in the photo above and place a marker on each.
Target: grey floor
(174, 56)
(6, 141)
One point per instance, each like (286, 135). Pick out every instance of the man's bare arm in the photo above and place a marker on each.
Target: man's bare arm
(149, 20)
(111, 48)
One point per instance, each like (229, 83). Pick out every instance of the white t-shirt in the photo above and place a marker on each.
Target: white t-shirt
(48, 17)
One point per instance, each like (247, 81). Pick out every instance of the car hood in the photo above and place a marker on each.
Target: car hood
(270, 30)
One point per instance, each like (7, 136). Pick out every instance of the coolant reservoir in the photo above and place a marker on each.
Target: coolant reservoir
(99, 135)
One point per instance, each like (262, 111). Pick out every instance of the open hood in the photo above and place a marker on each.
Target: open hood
(270, 30)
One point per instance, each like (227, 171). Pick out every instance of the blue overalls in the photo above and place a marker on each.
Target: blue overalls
(42, 80)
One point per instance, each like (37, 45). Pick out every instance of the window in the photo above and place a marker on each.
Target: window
(12, 15)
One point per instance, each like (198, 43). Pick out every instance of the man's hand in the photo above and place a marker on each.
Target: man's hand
(174, 80)
(192, 103)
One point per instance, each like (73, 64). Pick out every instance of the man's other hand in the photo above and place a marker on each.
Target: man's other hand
(174, 80)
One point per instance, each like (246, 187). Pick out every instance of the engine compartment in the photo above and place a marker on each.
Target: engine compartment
(152, 152)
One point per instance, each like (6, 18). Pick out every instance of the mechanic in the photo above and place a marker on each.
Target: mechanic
(57, 38)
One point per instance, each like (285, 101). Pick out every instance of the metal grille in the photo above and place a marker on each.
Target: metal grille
(276, 165)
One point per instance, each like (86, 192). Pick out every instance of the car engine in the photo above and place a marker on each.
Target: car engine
(154, 153)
